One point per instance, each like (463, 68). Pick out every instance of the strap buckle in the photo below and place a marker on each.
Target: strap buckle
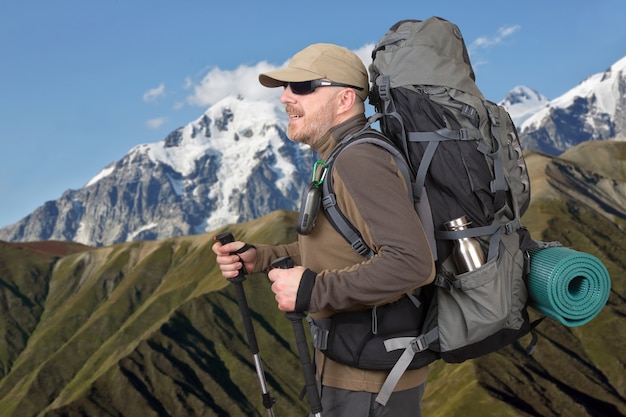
(512, 227)
(419, 344)
(360, 247)
(329, 201)
(319, 334)
(384, 86)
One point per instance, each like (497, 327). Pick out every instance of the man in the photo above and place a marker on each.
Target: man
(325, 87)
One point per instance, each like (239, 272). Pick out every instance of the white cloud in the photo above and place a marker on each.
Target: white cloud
(365, 53)
(243, 81)
(485, 42)
(154, 93)
(507, 31)
(155, 123)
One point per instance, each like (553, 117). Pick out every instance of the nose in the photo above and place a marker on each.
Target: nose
(287, 95)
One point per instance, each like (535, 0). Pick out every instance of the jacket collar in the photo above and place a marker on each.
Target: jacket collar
(331, 139)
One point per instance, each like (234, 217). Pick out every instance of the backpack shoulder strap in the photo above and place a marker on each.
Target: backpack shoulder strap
(329, 201)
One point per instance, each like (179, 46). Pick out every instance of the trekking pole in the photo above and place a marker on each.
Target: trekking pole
(303, 349)
(224, 238)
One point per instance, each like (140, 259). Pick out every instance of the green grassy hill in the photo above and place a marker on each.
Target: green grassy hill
(140, 329)
(152, 329)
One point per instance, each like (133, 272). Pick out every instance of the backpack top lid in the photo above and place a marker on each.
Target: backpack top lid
(429, 52)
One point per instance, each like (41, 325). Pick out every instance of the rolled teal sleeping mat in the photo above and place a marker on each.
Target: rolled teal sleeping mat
(569, 286)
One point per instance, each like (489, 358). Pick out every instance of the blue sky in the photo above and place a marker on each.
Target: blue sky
(82, 82)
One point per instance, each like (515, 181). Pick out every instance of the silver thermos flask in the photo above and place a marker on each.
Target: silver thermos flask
(467, 253)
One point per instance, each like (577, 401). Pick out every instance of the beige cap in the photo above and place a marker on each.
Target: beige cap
(321, 61)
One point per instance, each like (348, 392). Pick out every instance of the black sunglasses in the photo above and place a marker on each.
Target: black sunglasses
(307, 87)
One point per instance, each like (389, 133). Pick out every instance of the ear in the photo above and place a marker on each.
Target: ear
(347, 99)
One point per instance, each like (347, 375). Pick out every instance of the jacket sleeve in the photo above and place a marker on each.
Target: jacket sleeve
(372, 194)
(266, 254)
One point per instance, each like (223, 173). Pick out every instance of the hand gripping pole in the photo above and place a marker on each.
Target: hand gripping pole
(303, 348)
(268, 401)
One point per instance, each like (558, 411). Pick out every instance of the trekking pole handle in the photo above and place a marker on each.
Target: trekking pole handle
(308, 370)
(284, 262)
(224, 238)
(242, 300)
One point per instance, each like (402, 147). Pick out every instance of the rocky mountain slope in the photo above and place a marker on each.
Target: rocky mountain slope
(523, 102)
(235, 163)
(592, 110)
(232, 164)
(149, 328)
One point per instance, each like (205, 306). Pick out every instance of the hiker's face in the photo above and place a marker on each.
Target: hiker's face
(310, 115)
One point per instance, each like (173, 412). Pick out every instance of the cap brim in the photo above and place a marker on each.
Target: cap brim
(281, 76)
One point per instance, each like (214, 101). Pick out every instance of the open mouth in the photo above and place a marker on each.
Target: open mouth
(293, 113)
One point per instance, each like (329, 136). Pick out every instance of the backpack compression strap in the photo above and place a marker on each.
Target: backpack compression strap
(411, 346)
(329, 201)
(433, 139)
(498, 185)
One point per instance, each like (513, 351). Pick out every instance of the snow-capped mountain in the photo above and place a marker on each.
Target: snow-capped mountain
(235, 163)
(522, 102)
(593, 110)
(232, 164)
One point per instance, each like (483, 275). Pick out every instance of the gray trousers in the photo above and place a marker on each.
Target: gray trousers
(342, 403)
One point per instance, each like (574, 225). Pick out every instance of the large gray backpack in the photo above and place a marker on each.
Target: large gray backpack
(465, 162)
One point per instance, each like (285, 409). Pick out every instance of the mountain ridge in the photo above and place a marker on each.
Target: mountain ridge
(235, 163)
(232, 164)
(523, 102)
(592, 110)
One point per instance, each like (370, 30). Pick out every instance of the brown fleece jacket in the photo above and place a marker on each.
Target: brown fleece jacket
(372, 194)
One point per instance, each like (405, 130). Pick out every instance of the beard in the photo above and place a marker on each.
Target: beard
(318, 122)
